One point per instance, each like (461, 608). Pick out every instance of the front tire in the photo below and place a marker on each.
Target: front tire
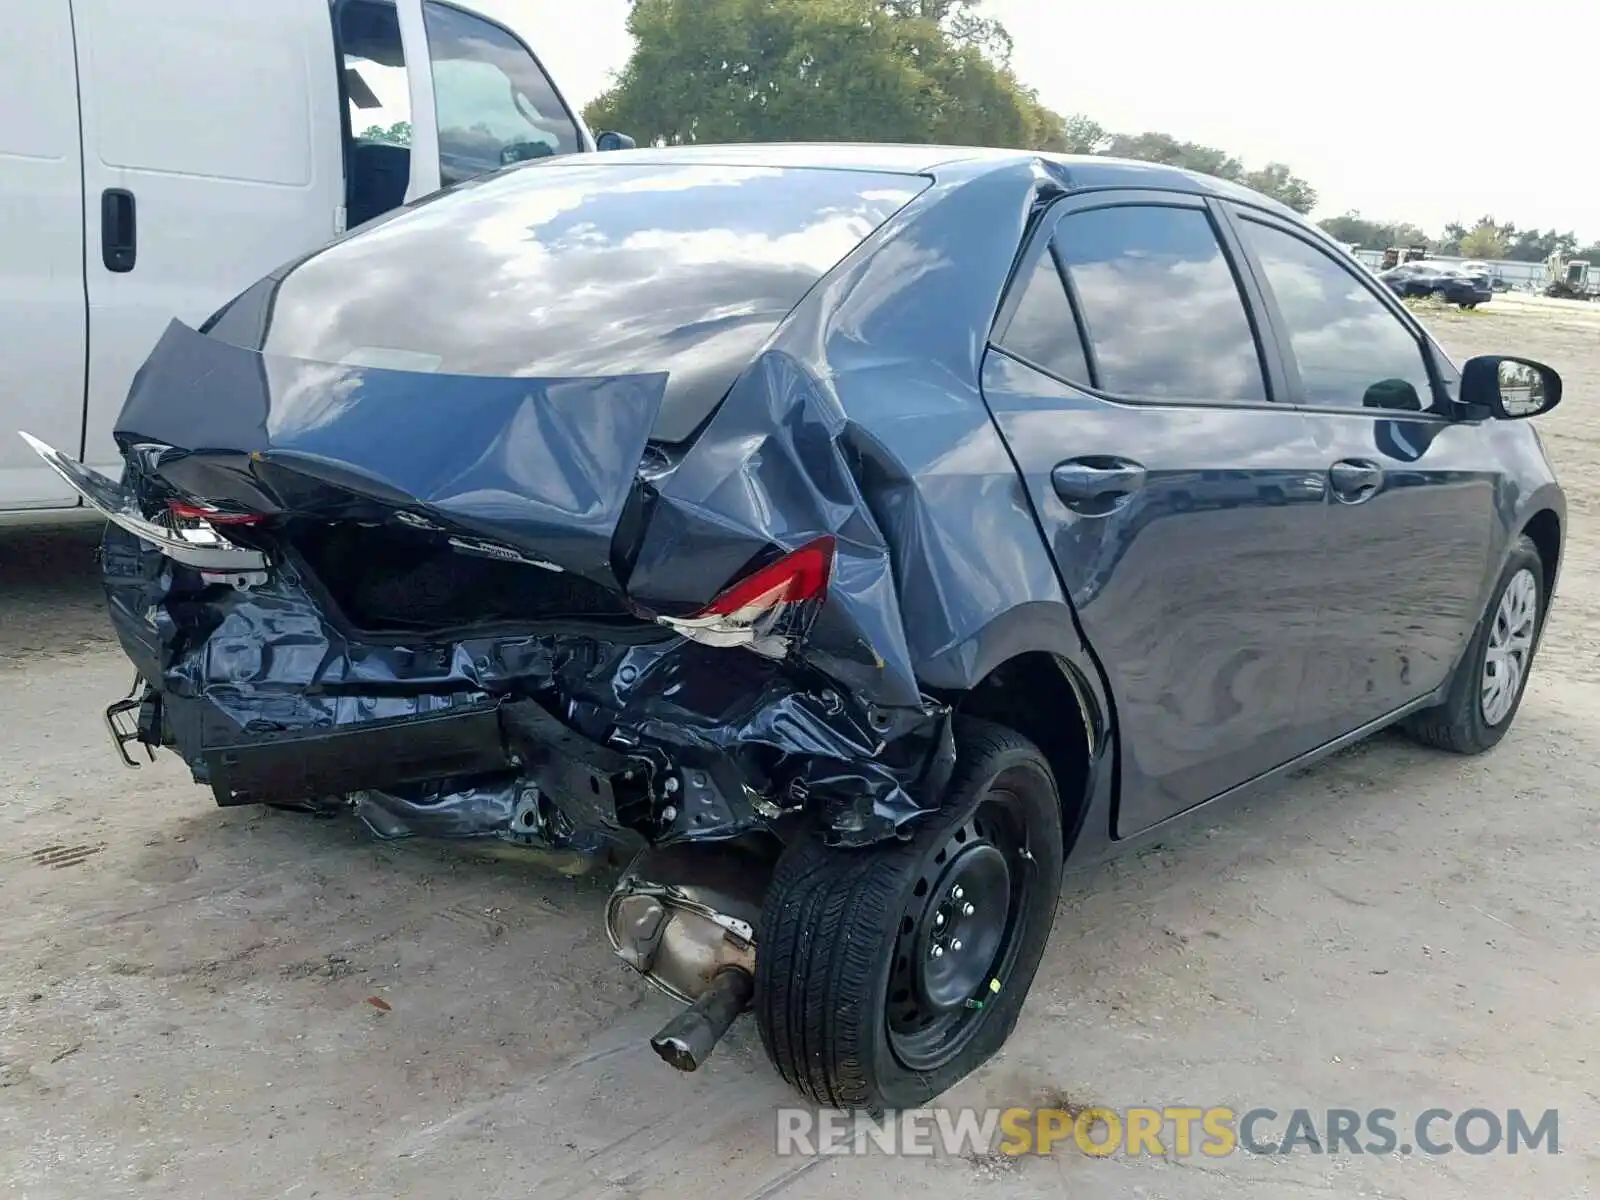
(884, 975)
(1493, 673)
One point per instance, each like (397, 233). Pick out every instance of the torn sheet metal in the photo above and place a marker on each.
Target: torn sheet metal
(727, 740)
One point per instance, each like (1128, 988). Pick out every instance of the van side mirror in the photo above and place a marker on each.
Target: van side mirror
(1510, 388)
(611, 140)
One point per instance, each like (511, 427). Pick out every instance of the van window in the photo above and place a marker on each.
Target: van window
(377, 151)
(374, 64)
(493, 102)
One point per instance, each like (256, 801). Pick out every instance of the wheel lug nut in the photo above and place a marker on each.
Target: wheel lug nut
(967, 910)
(956, 944)
(938, 920)
(956, 893)
(936, 952)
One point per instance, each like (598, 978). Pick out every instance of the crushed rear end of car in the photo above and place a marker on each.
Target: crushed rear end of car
(481, 607)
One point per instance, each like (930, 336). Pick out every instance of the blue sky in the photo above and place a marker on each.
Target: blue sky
(1416, 110)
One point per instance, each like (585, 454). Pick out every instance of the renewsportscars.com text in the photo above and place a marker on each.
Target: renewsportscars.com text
(1179, 1131)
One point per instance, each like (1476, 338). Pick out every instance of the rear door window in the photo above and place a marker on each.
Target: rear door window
(1161, 308)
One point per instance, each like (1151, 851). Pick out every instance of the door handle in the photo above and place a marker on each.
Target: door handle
(119, 230)
(1355, 479)
(1096, 484)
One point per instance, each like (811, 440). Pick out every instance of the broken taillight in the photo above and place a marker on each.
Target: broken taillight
(188, 510)
(759, 611)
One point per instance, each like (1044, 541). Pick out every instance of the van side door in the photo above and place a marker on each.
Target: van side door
(42, 319)
(436, 94)
(211, 153)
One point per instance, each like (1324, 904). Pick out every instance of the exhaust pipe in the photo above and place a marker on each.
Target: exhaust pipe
(688, 1039)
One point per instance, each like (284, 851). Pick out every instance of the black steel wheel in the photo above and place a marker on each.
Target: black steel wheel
(958, 933)
(885, 975)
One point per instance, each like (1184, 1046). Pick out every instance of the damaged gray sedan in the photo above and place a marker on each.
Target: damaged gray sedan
(849, 531)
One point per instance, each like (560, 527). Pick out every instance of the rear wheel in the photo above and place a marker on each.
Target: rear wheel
(885, 975)
(1493, 674)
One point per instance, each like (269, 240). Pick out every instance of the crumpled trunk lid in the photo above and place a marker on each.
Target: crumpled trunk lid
(544, 467)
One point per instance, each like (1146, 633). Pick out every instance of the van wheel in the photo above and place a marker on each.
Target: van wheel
(1487, 689)
(886, 974)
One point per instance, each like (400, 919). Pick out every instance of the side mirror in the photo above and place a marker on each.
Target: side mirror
(1397, 395)
(611, 140)
(1510, 388)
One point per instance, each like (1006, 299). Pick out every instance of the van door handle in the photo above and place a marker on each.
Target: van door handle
(1096, 484)
(1355, 479)
(119, 230)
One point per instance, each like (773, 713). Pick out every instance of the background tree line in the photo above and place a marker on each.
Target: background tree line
(1485, 238)
(929, 71)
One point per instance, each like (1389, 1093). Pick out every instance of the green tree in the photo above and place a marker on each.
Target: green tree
(1532, 245)
(1354, 229)
(1274, 179)
(398, 134)
(1486, 239)
(794, 70)
(961, 22)
(1283, 185)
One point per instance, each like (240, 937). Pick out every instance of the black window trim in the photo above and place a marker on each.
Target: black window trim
(1268, 349)
(1233, 211)
(579, 130)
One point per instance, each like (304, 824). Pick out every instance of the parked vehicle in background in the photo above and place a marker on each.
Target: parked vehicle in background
(1571, 278)
(156, 157)
(1485, 274)
(1450, 284)
(852, 530)
(1396, 256)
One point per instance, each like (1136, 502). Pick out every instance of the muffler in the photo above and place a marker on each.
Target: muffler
(684, 917)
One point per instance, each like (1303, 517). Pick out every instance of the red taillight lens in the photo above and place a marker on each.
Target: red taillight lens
(800, 575)
(767, 611)
(187, 511)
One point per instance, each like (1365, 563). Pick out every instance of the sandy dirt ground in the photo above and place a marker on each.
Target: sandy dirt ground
(205, 1003)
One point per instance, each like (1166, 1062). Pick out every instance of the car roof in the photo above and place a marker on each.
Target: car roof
(1079, 171)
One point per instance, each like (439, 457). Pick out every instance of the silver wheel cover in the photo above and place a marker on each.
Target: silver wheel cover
(1505, 658)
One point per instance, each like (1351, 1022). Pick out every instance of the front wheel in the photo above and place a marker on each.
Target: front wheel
(884, 975)
(1493, 674)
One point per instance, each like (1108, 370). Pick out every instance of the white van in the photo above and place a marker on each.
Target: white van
(158, 156)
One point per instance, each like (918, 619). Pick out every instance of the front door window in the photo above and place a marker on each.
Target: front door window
(493, 102)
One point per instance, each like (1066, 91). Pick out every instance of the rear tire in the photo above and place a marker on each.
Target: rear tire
(868, 997)
(1477, 713)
